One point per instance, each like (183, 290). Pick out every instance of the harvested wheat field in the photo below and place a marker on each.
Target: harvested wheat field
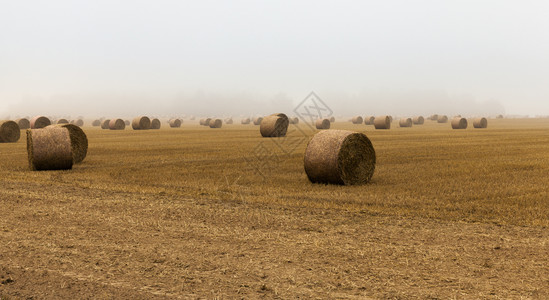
(227, 214)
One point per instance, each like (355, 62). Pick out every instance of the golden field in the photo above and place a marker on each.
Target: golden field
(195, 212)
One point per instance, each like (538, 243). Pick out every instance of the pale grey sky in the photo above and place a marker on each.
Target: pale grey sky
(224, 57)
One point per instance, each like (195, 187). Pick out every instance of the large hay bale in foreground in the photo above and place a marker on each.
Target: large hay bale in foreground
(340, 157)
(459, 123)
(39, 122)
(322, 124)
(155, 124)
(216, 123)
(418, 120)
(79, 141)
(245, 121)
(369, 120)
(382, 122)
(117, 124)
(49, 148)
(141, 123)
(105, 124)
(175, 123)
(442, 119)
(274, 126)
(480, 123)
(9, 132)
(357, 120)
(96, 123)
(23, 123)
(405, 122)
(257, 120)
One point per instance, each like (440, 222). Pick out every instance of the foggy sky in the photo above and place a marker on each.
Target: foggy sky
(108, 58)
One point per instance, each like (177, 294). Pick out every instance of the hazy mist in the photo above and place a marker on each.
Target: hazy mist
(121, 58)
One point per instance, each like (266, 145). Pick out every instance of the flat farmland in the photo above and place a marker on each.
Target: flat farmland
(195, 212)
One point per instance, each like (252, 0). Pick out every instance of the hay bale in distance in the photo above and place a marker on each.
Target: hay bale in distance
(49, 149)
(332, 119)
(117, 124)
(105, 124)
(499, 117)
(245, 121)
(274, 125)
(459, 123)
(322, 124)
(216, 123)
(405, 122)
(369, 120)
(96, 123)
(9, 132)
(23, 123)
(442, 119)
(229, 121)
(127, 122)
(79, 142)
(294, 120)
(340, 157)
(175, 123)
(433, 117)
(205, 121)
(155, 124)
(78, 122)
(141, 123)
(257, 120)
(357, 120)
(418, 120)
(39, 122)
(382, 122)
(480, 123)
(62, 121)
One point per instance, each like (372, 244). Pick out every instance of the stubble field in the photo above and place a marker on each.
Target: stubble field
(222, 213)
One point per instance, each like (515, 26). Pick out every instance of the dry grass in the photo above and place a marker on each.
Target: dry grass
(153, 214)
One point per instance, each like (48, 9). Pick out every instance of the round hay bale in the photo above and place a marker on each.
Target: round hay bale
(216, 123)
(117, 124)
(49, 149)
(79, 122)
(419, 120)
(332, 119)
(433, 117)
(257, 120)
(459, 123)
(294, 120)
(105, 124)
(79, 142)
(9, 132)
(480, 123)
(369, 120)
(274, 126)
(62, 121)
(96, 123)
(405, 122)
(340, 157)
(141, 123)
(245, 121)
(175, 123)
(442, 119)
(155, 124)
(205, 121)
(127, 122)
(229, 121)
(23, 123)
(382, 122)
(499, 117)
(322, 124)
(357, 120)
(39, 122)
